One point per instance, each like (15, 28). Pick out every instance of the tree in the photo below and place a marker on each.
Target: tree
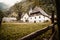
(17, 8)
(21, 7)
(3, 13)
(58, 16)
(46, 5)
(1, 16)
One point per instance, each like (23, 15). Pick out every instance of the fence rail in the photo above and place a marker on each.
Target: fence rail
(53, 35)
(38, 32)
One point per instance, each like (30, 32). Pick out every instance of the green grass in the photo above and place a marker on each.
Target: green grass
(12, 31)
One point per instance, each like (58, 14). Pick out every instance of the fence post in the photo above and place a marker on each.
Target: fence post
(52, 20)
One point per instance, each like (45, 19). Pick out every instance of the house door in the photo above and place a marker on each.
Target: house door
(26, 20)
(34, 21)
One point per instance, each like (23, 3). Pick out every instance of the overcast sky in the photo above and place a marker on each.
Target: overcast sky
(10, 2)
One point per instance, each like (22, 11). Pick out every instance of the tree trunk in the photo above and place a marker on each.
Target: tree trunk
(0, 22)
(19, 16)
(58, 16)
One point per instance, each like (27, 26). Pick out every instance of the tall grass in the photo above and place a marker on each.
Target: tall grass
(12, 31)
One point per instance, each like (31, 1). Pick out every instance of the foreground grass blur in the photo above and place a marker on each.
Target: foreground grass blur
(12, 31)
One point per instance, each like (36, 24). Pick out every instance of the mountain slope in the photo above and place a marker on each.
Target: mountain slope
(3, 6)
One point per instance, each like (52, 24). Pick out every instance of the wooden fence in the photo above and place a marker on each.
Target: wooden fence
(38, 32)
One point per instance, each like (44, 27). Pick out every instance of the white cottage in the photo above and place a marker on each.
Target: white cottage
(35, 15)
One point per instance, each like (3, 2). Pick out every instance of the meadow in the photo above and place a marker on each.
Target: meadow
(13, 31)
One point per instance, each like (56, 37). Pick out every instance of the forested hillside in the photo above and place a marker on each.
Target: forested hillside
(47, 5)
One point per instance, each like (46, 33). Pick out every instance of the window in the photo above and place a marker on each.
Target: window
(34, 21)
(35, 17)
(31, 18)
(39, 17)
(39, 20)
(25, 17)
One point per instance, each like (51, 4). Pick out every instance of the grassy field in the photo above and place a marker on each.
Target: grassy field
(12, 31)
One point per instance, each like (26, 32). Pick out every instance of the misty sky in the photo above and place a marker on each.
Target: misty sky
(10, 2)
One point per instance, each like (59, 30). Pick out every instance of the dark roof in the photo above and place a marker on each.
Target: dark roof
(36, 9)
(37, 13)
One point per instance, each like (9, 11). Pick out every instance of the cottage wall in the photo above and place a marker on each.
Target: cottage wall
(25, 17)
(39, 18)
(9, 19)
(35, 15)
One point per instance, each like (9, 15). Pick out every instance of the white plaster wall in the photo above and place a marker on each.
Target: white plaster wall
(32, 19)
(46, 18)
(8, 19)
(41, 19)
(25, 17)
